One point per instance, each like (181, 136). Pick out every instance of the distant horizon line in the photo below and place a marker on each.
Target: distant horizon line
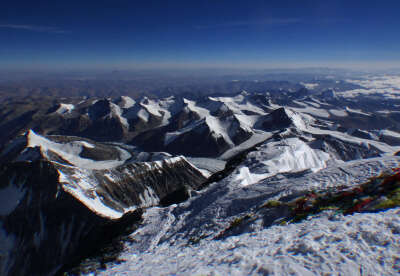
(359, 66)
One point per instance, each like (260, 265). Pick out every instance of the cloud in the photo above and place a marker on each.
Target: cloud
(34, 28)
(386, 86)
(249, 23)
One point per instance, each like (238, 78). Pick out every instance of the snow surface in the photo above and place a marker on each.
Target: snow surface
(162, 108)
(143, 114)
(383, 147)
(360, 244)
(357, 111)
(70, 152)
(151, 106)
(318, 112)
(288, 155)
(255, 139)
(82, 185)
(338, 112)
(310, 86)
(115, 109)
(238, 104)
(65, 108)
(297, 119)
(209, 164)
(218, 128)
(391, 133)
(127, 102)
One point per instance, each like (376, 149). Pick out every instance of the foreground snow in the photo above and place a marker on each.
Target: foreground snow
(361, 244)
(183, 239)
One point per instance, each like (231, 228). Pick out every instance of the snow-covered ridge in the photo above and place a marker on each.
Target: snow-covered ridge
(304, 147)
(83, 177)
(225, 121)
(288, 155)
(86, 179)
(65, 108)
(146, 180)
(117, 111)
(127, 102)
(71, 151)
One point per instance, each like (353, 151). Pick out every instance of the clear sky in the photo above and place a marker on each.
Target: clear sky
(128, 34)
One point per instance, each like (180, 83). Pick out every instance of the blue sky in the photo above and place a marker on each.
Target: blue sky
(127, 34)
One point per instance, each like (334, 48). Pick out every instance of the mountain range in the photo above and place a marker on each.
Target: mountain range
(187, 174)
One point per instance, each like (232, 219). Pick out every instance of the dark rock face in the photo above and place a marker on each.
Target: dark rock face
(302, 92)
(45, 226)
(199, 142)
(48, 224)
(277, 119)
(99, 109)
(361, 134)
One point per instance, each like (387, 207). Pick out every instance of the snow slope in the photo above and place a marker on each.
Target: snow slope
(186, 244)
(288, 155)
(65, 108)
(71, 152)
(127, 102)
(361, 244)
